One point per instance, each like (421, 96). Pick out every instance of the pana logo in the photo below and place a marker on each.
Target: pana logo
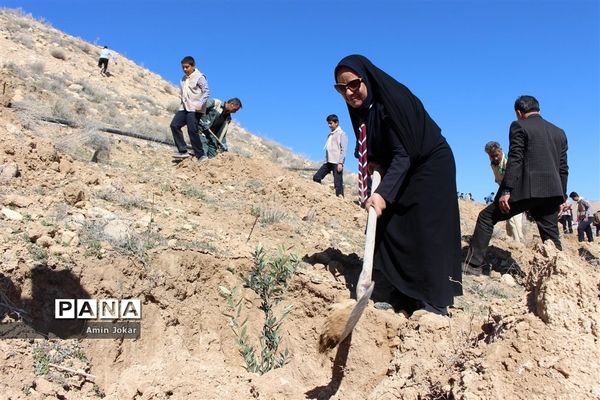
(97, 309)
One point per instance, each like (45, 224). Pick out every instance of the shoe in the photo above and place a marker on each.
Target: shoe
(203, 158)
(382, 305)
(181, 155)
(470, 269)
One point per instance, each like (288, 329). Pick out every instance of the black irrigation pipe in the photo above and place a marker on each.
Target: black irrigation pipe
(302, 169)
(72, 124)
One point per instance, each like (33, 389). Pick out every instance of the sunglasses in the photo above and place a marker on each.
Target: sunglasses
(353, 85)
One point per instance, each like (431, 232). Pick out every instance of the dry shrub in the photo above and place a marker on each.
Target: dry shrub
(57, 53)
(55, 84)
(61, 109)
(37, 67)
(23, 38)
(86, 48)
(91, 137)
(173, 106)
(94, 93)
(169, 89)
(140, 98)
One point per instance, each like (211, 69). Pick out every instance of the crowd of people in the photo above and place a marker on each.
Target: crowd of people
(418, 243)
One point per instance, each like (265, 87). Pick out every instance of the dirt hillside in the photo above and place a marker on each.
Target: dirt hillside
(86, 214)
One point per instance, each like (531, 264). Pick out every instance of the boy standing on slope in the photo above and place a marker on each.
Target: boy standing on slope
(335, 155)
(194, 93)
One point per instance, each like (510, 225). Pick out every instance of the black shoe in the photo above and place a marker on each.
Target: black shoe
(476, 270)
(472, 270)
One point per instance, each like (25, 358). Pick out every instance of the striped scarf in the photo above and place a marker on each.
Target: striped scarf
(362, 164)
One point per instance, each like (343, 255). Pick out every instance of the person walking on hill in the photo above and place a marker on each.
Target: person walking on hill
(194, 94)
(597, 222)
(335, 155)
(565, 217)
(417, 248)
(585, 217)
(215, 124)
(498, 161)
(535, 179)
(105, 54)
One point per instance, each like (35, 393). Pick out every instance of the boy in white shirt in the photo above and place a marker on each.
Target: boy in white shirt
(335, 155)
(194, 93)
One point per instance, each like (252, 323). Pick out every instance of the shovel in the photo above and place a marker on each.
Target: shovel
(345, 316)
(223, 147)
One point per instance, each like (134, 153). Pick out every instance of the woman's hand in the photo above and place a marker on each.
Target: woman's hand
(377, 202)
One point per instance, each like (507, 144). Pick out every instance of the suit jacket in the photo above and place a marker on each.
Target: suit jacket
(537, 160)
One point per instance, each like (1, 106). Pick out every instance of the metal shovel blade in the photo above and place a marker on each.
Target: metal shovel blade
(365, 285)
(357, 311)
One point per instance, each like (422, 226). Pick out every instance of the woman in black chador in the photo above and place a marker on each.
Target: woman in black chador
(418, 232)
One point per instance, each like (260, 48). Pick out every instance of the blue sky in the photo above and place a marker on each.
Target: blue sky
(466, 60)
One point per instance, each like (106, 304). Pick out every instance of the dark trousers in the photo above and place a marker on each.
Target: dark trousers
(103, 63)
(585, 226)
(190, 119)
(338, 177)
(544, 212)
(567, 222)
(210, 144)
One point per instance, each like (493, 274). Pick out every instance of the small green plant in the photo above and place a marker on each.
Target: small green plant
(193, 193)
(47, 353)
(94, 249)
(268, 216)
(268, 279)
(38, 253)
(196, 245)
(41, 360)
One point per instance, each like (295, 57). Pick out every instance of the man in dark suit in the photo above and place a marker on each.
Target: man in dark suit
(535, 180)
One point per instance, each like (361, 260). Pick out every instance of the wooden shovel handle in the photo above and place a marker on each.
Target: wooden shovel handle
(366, 274)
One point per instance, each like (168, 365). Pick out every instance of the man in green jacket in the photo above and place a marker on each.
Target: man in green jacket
(215, 124)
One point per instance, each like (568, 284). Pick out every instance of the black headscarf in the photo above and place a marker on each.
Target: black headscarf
(388, 98)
